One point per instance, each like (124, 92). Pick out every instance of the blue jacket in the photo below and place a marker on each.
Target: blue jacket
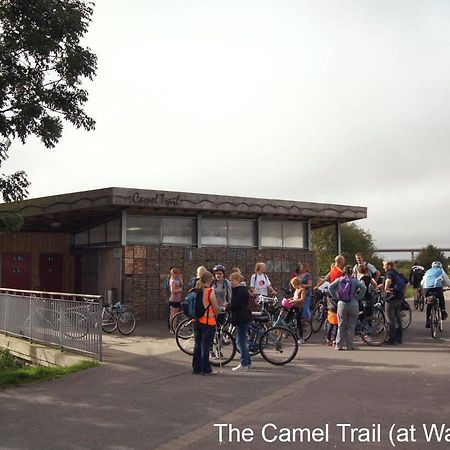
(435, 278)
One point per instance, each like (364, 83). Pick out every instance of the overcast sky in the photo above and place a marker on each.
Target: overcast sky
(329, 101)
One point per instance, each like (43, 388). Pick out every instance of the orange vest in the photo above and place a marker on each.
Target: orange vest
(208, 318)
(335, 273)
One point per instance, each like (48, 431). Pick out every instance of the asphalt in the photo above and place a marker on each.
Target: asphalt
(144, 397)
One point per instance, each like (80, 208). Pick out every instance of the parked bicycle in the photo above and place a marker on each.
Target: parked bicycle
(116, 317)
(372, 330)
(319, 312)
(291, 324)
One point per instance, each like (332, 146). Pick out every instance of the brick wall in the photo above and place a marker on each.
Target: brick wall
(145, 267)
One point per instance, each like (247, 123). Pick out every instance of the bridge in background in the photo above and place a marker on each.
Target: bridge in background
(411, 251)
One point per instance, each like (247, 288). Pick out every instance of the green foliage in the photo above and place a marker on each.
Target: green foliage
(33, 374)
(7, 361)
(430, 254)
(10, 222)
(354, 240)
(42, 67)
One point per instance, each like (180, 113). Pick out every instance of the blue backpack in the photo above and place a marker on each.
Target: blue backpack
(193, 305)
(345, 289)
(400, 283)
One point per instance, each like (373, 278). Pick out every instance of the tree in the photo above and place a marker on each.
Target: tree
(354, 239)
(42, 67)
(430, 254)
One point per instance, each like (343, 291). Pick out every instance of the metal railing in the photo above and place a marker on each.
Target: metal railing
(69, 321)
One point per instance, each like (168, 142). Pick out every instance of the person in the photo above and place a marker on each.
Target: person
(373, 271)
(297, 303)
(241, 318)
(416, 275)
(304, 274)
(193, 280)
(331, 326)
(433, 283)
(336, 271)
(166, 289)
(205, 327)
(367, 280)
(347, 291)
(393, 301)
(176, 292)
(221, 286)
(259, 281)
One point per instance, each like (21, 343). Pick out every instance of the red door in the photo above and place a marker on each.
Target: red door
(16, 270)
(51, 272)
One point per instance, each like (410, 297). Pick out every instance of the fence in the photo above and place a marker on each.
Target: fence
(69, 321)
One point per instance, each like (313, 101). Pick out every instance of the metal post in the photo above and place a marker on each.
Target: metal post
(338, 237)
(258, 233)
(31, 318)
(199, 230)
(308, 235)
(61, 324)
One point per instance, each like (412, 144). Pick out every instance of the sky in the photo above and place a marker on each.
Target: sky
(343, 102)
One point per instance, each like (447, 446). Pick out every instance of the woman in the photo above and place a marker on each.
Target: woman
(304, 274)
(348, 292)
(241, 317)
(259, 281)
(176, 292)
(205, 327)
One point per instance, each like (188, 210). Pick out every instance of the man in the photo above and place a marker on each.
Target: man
(373, 272)
(395, 290)
(336, 271)
(415, 278)
(433, 282)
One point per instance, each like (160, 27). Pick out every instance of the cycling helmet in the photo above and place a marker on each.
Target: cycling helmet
(437, 264)
(219, 268)
(286, 303)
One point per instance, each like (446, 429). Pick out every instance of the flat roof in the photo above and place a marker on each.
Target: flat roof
(78, 210)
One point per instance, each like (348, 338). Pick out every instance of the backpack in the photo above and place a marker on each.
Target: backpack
(193, 305)
(417, 274)
(345, 289)
(400, 283)
(166, 287)
(252, 305)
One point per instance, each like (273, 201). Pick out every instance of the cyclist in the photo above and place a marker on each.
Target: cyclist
(433, 282)
(373, 271)
(415, 278)
(259, 281)
(221, 286)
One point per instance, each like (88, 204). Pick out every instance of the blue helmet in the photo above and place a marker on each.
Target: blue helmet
(219, 268)
(437, 264)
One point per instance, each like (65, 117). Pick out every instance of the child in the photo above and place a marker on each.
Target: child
(332, 322)
(297, 306)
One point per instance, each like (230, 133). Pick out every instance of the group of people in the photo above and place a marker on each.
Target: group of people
(348, 286)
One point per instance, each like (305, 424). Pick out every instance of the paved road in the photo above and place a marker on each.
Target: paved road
(145, 397)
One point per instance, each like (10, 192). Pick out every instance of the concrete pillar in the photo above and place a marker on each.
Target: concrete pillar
(308, 235)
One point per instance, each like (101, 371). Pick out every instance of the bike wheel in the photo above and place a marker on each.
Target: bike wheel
(109, 322)
(177, 319)
(184, 336)
(433, 323)
(278, 346)
(307, 329)
(379, 314)
(126, 322)
(373, 331)
(75, 325)
(317, 318)
(416, 303)
(254, 333)
(223, 348)
(421, 304)
(406, 316)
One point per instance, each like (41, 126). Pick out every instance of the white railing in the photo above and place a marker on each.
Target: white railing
(69, 321)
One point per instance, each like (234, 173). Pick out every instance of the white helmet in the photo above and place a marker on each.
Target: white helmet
(437, 264)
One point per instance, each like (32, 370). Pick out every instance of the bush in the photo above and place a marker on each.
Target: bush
(7, 361)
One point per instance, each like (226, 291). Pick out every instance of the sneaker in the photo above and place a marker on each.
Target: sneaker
(329, 343)
(301, 341)
(208, 374)
(240, 368)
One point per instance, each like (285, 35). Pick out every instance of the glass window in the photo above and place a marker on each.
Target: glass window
(143, 230)
(177, 230)
(242, 233)
(214, 232)
(293, 234)
(97, 235)
(271, 233)
(114, 231)
(81, 238)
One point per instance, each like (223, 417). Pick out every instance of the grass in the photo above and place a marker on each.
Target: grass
(12, 374)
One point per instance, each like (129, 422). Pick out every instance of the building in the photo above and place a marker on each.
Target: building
(125, 240)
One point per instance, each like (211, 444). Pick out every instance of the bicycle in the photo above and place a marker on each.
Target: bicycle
(116, 317)
(177, 319)
(435, 315)
(319, 312)
(379, 311)
(292, 324)
(372, 330)
(223, 347)
(419, 299)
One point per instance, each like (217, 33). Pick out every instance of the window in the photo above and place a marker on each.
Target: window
(282, 234)
(81, 238)
(214, 232)
(177, 230)
(114, 231)
(271, 233)
(241, 233)
(97, 235)
(143, 230)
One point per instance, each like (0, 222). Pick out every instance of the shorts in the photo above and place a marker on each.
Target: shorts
(416, 284)
(176, 305)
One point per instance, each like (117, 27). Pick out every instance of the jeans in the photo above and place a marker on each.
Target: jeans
(347, 316)
(298, 312)
(307, 307)
(242, 343)
(204, 335)
(331, 331)
(394, 319)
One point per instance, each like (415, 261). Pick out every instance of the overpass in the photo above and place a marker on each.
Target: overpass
(412, 251)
